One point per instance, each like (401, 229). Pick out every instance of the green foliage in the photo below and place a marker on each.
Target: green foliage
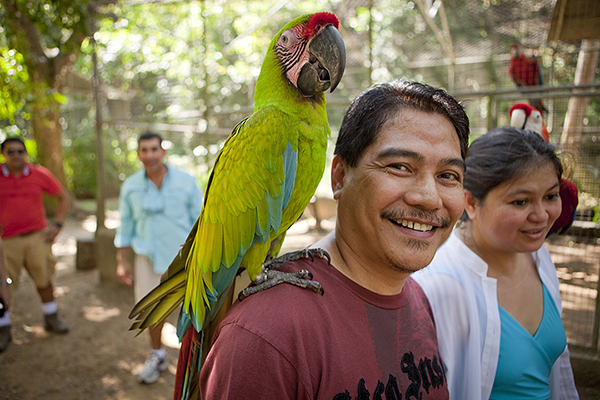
(38, 41)
(60, 24)
(195, 63)
(15, 81)
(163, 59)
(80, 153)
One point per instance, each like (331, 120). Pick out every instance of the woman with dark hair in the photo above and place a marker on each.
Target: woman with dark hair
(492, 286)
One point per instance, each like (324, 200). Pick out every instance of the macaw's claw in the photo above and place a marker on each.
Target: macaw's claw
(296, 255)
(269, 277)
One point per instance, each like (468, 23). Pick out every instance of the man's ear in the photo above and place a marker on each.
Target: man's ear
(471, 204)
(338, 172)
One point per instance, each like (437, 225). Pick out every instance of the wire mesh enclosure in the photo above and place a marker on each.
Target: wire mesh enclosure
(187, 69)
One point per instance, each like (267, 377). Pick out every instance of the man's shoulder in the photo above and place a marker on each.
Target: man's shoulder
(40, 173)
(282, 302)
(36, 169)
(180, 173)
(135, 179)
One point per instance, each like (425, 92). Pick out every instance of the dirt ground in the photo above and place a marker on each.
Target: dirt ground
(99, 357)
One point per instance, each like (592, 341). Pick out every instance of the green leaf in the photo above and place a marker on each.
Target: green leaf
(60, 98)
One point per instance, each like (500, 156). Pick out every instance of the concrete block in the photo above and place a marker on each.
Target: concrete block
(86, 254)
(106, 255)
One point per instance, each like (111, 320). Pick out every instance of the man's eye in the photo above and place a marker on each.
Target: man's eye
(519, 202)
(450, 176)
(401, 167)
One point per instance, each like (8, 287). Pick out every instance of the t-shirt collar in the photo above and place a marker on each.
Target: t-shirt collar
(6, 172)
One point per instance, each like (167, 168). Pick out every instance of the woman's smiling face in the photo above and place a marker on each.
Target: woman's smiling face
(517, 215)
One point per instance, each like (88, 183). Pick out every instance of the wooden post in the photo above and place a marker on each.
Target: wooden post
(586, 66)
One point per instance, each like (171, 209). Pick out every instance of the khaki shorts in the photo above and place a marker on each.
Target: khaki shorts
(144, 277)
(30, 251)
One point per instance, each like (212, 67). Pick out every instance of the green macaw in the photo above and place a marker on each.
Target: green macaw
(262, 180)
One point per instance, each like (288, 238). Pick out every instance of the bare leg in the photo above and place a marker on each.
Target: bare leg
(47, 293)
(156, 336)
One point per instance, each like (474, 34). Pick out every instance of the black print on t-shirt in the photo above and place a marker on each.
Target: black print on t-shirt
(427, 374)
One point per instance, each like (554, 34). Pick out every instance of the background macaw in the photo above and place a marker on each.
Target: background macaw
(262, 180)
(526, 117)
(525, 71)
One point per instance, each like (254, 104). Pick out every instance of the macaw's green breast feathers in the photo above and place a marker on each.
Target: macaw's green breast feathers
(246, 203)
(306, 58)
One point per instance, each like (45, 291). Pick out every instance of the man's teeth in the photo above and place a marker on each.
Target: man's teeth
(415, 226)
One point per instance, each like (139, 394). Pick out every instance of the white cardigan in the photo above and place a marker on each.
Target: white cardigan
(465, 309)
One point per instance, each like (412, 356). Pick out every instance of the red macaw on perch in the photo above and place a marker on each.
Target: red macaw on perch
(526, 117)
(525, 71)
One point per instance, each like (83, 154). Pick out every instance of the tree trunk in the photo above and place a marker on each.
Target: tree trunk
(45, 73)
(586, 66)
(47, 133)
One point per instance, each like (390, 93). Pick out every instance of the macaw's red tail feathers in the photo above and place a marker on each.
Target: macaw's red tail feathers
(194, 350)
(187, 376)
(569, 198)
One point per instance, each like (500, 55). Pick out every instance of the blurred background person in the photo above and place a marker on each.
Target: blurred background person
(27, 237)
(158, 206)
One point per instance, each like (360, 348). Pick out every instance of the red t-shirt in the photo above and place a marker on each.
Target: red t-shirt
(22, 199)
(291, 343)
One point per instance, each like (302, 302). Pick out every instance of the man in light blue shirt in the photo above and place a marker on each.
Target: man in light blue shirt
(158, 206)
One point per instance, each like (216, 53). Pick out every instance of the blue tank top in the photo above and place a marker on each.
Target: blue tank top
(525, 361)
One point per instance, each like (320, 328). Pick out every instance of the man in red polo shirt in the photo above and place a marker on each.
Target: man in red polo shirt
(26, 236)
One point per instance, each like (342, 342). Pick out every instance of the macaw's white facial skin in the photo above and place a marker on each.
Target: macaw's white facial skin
(399, 204)
(291, 48)
(313, 55)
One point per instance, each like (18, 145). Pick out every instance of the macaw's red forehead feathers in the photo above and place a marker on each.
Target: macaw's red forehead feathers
(521, 106)
(321, 19)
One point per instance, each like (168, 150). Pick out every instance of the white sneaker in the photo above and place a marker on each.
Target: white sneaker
(152, 368)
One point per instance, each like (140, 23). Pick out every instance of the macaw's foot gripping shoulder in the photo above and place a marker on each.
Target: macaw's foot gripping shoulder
(269, 277)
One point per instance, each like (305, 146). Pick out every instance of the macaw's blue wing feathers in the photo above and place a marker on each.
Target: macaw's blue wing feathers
(229, 226)
(290, 160)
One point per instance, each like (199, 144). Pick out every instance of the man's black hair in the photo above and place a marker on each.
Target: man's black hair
(371, 110)
(150, 135)
(13, 139)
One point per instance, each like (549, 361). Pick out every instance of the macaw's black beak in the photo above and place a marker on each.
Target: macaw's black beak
(326, 64)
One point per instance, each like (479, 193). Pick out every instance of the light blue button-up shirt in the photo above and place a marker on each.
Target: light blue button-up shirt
(155, 223)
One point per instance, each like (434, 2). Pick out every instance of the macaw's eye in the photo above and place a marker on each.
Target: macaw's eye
(318, 27)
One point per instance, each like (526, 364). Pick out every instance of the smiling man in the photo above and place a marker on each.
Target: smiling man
(397, 176)
(158, 206)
